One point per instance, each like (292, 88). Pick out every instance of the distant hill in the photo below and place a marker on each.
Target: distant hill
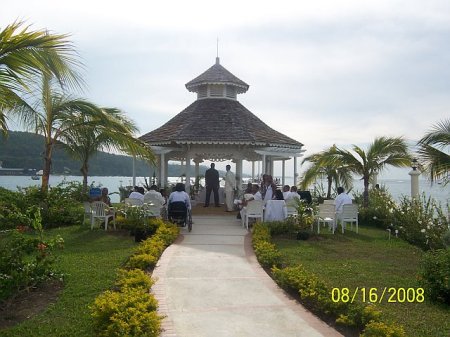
(25, 150)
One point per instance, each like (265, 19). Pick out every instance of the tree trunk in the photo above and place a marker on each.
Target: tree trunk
(47, 166)
(366, 191)
(330, 182)
(84, 172)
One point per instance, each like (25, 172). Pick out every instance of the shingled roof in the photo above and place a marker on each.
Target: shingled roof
(217, 121)
(217, 74)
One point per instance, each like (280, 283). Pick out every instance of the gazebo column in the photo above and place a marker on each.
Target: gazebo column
(166, 171)
(239, 175)
(253, 171)
(283, 172)
(162, 170)
(197, 162)
(188, 173)
(295, 171)
(263, 168)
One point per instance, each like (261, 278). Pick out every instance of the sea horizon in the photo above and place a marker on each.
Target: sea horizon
(396, 187)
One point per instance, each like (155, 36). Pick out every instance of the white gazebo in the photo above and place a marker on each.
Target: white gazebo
(217, 127)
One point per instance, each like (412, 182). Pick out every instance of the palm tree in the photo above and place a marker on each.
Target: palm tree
(25, 55)
(53, 116)
(431, 150)
(111, 132)
(322, 167)
(382, 152)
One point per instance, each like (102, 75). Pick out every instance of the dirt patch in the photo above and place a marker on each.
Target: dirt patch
(28, 304)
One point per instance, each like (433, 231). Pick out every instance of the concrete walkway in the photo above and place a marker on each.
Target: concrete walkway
(209, 284)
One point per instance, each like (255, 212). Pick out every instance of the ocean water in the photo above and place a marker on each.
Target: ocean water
(397, 188)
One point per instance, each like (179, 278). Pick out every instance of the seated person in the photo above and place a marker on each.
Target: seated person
(179, 194)
(255, 195)
(294, 193)
(104, 197)
(278, 195)
(286, 192)
(136, 194)
(153, 196)
(341, 200)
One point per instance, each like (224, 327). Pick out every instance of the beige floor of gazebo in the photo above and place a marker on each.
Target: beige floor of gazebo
(211, 210)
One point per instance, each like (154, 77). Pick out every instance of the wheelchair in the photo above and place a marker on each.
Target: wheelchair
(179, 213)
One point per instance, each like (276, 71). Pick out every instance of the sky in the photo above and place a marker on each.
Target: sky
(322, 72)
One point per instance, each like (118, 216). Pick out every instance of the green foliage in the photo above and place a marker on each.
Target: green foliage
(166, 232)
(267, 254)
(60, 206)
(26, 260)
(380, 329)
(313, 291)
(130, 312)
(265, 251)
(421, 222)
(380, 211)
(133, 278)
(434, 275)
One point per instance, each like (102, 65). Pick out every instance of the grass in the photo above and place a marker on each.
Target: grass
(366, 260)
(89, 261)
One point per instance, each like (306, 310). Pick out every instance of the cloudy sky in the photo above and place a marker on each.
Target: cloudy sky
(322, 72)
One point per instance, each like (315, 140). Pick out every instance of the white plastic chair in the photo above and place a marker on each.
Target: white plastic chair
(100, 211)
(291, 207)
(326, 215)
(275, 210)
(152, 209)
(254, 209)
(133, 202)
(349, 214)
(87, 211)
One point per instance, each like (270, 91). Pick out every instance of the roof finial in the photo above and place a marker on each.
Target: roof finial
(217, 56)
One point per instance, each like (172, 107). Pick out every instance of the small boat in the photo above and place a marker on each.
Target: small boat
(35, 177)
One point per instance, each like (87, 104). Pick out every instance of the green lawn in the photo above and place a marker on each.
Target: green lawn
(366, 260)
(89, 261)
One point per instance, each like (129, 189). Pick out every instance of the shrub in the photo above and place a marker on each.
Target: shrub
(26, 261)
(434, 275)
(421, 222)
(131, 312)
(317, 295)
(133, 278)
(380, 212)
(380, 329)
(166, 232)
(266, 252)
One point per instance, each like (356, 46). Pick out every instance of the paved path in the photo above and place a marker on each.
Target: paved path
(209, 284)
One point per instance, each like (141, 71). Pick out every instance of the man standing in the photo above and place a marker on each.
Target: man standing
(212, 184)
(230, 187)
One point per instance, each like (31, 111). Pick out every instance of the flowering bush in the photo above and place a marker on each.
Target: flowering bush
(26, 261)
(421, 222)
(380, 212)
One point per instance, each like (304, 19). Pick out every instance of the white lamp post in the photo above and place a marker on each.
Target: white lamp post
(414, 173)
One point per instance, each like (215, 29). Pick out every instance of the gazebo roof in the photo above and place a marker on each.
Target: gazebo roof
(218, 121)
(217, 74)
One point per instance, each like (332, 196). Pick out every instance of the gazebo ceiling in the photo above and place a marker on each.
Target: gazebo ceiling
(218, 121)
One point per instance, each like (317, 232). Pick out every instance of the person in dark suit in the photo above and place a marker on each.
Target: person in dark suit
(212, 184)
